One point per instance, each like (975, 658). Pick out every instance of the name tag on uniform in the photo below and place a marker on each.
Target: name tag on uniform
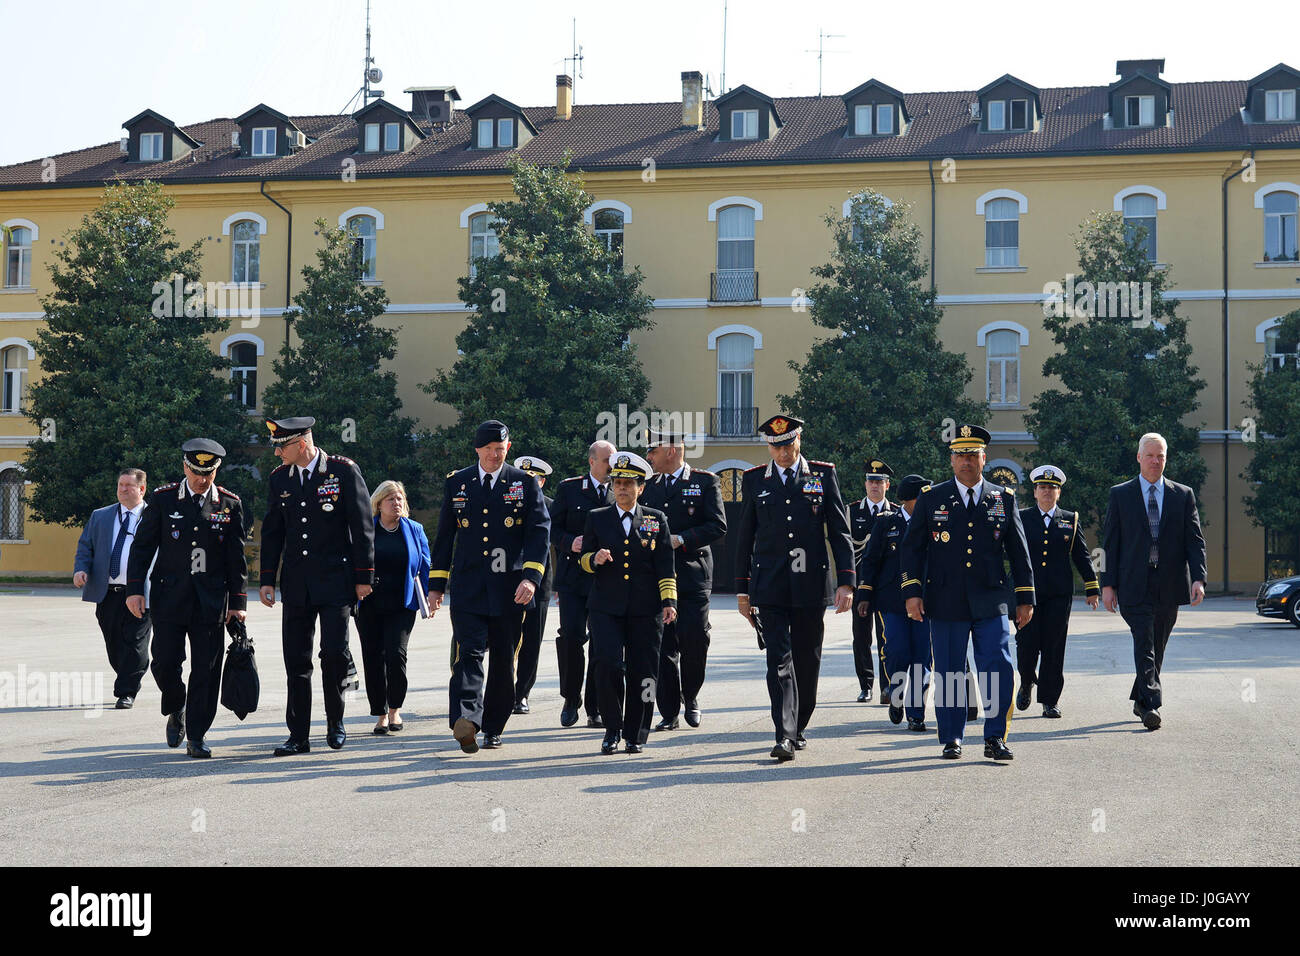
(940, 516)
(893, 533)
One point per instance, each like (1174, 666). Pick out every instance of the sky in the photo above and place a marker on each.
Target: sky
(82, 67)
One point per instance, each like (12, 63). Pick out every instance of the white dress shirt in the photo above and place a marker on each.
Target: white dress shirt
(133, 522)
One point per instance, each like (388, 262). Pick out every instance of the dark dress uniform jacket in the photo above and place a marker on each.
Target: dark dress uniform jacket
(320, 533)
(879, 577)
(1127, 539)
(201, 566)
(780, 526)
(506, 527)
(575, 498)
(862, 523)
(952, 558)
(1053, 548)
(548, 576)
(694, 510)
(640, 579)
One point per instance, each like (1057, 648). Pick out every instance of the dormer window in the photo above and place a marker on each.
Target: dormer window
(1008, 105)
(874, 109)
(151, 147)
(1139, 111)
(499, 124)
(484, 134)
(372, 137)
(505, 133)
(1007, 115)
(744, 124)
(881, 113)
(264, 141)
(392, 136)
(1279, 106)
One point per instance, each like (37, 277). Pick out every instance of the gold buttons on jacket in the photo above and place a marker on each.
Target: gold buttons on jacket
(626, 578)
(968, 564)
(484, 538)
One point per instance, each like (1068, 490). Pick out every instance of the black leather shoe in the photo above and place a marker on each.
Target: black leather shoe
(175, 728)
(895, 714)
(784, 750)
(521, 706)
(466, 735)
(800, 742)
(568, 716)
(292, 746)
(693, 713)
(667, 724)
(609, 745)
(1050, 711)
(491, 741)
(633, 748)
(865, 697)
(951, 751)
(996, 748)
(335, 736)
(917, 725)
(197, 748)
(1151, 718)
(124, 703)
(1022, 696)
(884, 696)
(595, 721)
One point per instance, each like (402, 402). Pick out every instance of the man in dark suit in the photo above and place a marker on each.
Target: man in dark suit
(627, 550)
(863, 517)
(790, 509)
(692, 500)
(535, 616)
(574, 500)
(953, 572)
(1055, 542)
(1154, 562)
(195, 530)
(319, 533)
(103, 551)
(493, 535)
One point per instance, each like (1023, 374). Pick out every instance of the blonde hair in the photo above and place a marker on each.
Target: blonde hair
(1150, 437)
(386, 490)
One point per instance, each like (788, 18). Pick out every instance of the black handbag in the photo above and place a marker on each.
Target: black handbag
(240, 686)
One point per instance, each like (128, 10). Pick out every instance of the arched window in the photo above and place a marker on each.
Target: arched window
(362, 230)
(243, 374)
(1140, 212)
(1003, 358)
(1278, 354)
(245, 252)
(735, 280)
(1001, 233)
(13, 363)
(482, 240)
(18, 258)
(11, 503)
(1280, 227)
(735, 415)
(608, 226)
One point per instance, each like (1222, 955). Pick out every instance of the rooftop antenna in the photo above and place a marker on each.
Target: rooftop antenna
(722, 80)
(576, 59)
(821, 51)
(369, 73)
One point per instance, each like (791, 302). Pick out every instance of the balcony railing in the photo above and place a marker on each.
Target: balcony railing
(733, 285)
(733, 422)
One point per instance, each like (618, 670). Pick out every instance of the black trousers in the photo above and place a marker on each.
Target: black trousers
(793, 636)
(626, 653)
(384, 633)
(683, 654)
(531, 648)
(207, 644)
(1150, 622)
(862, 659)
(569, 654)
(1044, 638)
(485, 703)
(126, 639)
(298, 633)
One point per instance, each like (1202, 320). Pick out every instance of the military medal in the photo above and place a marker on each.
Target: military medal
(945, 537)
(327, 507)
(510, 522)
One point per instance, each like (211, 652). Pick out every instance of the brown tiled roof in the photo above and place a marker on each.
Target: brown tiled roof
(1207, 116)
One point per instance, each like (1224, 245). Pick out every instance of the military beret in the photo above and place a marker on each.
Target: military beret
(911, 486)
(490, 431)
(203, 455)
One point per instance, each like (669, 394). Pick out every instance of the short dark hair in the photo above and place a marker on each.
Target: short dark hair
(136, 473)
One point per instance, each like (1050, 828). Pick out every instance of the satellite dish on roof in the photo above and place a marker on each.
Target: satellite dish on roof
(374, 74)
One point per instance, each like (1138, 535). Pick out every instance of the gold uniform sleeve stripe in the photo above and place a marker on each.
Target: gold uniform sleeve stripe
(535, 566)
(1024, 589)
(584, 562)
(907, 581)
(668, 588)
(865, 587)
(439, 574)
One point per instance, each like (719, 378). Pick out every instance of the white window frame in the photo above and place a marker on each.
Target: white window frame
(240, 247)
(13, 381)
(735, 377)
(491, 244)
(752, 239)
(1011, 110)
(1003, 362)
(1282, 217)
(369, 245)
(228, 350)
(266, 139)
(505, 132)
(156, 141)
(862, 118)
(999, 253)
(748, 124)
(885, 111)
(1153, 233)
(606, 236)
(483, 126)
(20, 252)
(1279, 106)
(1146, 110)
(1001, 111)
(371, 144)
(392, 137)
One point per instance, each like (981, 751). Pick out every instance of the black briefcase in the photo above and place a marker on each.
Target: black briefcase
(240, 686)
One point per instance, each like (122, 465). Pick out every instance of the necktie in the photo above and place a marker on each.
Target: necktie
(970, 498)
(487, 482)
(302, 475)
(1153, 519)
(672, 482)
(789, 473)
(198, 501)
(115, 560)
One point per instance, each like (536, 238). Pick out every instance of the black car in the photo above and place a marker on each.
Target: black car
(1280, 598)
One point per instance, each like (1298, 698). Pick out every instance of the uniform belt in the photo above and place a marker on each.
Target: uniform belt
(117, 587)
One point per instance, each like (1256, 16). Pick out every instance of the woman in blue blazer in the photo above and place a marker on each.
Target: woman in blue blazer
(387, 614)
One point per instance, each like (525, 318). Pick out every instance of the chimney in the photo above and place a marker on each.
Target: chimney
(563, 96)
(693, 99)
(1126, 68)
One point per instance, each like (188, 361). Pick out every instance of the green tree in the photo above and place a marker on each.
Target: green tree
(883, 385)
(1274, 466)
(547, 347)
(1125, 369)
(333, 373)
(128, 370)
